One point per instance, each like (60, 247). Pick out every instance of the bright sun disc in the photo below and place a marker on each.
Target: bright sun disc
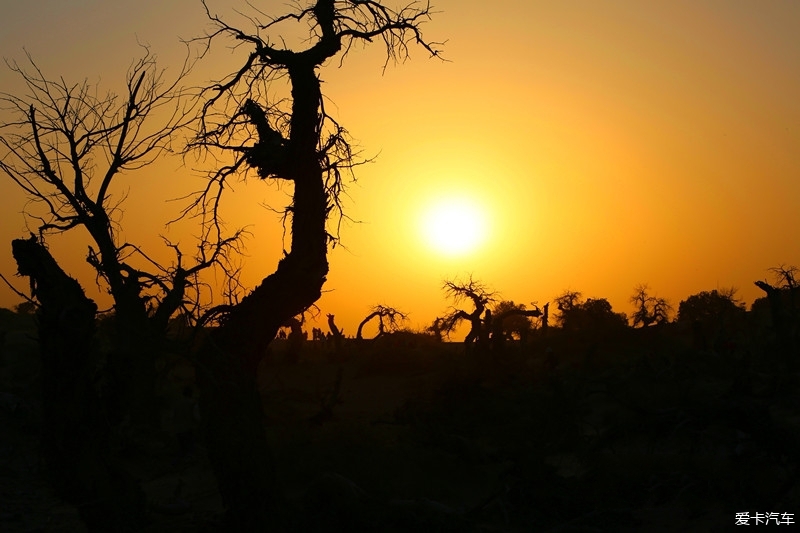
(454, 226)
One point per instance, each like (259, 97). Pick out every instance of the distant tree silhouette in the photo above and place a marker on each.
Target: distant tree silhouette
(480, 296)
(66, 147)
(387, 317)
(785, 276)
(710, 305)
(335, 331)
(593, 315)
(295, 338)
(436, 328)
(596, 313)
(786, 279)
(509, 319)
(649, 309)
(784, 306)
(545, 317)
(335, 339)
(715, 313)
(513, 320)
(565, 302)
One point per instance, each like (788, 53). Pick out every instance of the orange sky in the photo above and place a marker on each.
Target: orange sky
(608, 143)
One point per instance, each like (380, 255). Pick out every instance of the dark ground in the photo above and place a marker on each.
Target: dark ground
(636, 433)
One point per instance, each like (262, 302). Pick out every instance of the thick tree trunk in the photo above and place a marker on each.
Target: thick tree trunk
(237, 446)
(137, 339)
(76, 433)
(229, 399)
(228, 363)
(133, 363)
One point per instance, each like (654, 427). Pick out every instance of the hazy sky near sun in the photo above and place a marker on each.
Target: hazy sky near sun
(602, 145)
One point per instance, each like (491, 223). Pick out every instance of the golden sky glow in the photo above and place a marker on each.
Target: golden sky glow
(603, 144)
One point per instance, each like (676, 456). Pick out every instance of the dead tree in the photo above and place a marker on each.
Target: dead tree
(545, 318)
(289, 138)
(480, 296)
(295, 339)
(387, 317)
(786, 278)
(335, 335)
(334, 329)
(436, 329)
(649, 309)
(76, 436)
(783, 306)
(67, 147)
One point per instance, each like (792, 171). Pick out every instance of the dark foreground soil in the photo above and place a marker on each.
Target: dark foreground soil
(630, 434)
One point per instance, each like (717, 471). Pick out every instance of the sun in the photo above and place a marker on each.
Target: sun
(453, 226)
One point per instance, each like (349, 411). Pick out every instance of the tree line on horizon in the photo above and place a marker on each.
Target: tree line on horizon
(488, 315)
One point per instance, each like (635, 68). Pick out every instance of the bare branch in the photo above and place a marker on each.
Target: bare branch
(18, 292)
(244, 120)
(388, 318)
(67, 145)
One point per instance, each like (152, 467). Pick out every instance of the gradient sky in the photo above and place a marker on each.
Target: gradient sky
(607, 143)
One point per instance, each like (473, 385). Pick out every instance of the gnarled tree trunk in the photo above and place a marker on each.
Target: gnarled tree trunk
(312, 156)
(76, 433)
(228, 363)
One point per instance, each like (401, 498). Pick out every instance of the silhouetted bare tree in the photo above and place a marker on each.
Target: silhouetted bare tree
(649, 309)
(292, 139)
(66, 146)
(437, 329)
(565, 302)
(785, 276)
(387, 317)
(783, 301)
(336, 334)
(786, 279)
(480, 296)
(545, 317)
(76, 443)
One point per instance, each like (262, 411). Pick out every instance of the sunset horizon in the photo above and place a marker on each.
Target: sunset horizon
(386, 266)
